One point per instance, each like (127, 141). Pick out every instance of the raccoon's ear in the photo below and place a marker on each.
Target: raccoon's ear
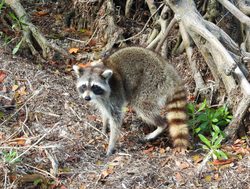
(107, 74)
(78, 70)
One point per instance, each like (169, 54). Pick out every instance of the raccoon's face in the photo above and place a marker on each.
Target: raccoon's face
(92, 83)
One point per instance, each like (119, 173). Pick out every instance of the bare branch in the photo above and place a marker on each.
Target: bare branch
(236, 12)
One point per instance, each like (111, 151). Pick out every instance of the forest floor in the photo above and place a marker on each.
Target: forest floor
(51, 139)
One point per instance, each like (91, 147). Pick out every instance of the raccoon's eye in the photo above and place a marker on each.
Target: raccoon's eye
(97, 90)
(82, 88)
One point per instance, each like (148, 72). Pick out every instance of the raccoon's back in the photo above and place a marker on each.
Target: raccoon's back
(140, 67)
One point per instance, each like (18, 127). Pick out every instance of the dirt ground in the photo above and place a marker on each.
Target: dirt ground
(57, 132)
(59, 144)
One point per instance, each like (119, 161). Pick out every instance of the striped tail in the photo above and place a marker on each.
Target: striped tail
(177, 121)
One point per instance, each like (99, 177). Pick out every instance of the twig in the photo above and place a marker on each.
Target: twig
(92, 36)
(36, 92)
(236, 12)
(23, 123)
(164, 37)
(15, 133)
(42, 171)
(48, 113)
(205, 160)
(54, 162)
(7, 98)
(5, 179)
(76, 40)
(139, 33)
(13, 160)
(23, 147)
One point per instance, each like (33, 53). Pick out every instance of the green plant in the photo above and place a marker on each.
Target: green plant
(37, 181)
(213, 145)
(1, 5)
(202, 118)
(9, 156)
(18, 22)
(208, 123)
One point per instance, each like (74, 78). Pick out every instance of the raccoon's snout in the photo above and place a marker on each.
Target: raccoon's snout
(88, 98)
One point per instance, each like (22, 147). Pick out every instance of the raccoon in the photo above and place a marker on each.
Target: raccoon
(142, 79)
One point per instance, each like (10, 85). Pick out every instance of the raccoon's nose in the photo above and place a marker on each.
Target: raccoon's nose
(88, 98)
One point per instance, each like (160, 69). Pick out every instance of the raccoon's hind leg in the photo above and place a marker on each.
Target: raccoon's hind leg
(161, 126)
(151, 117)
(177, 121)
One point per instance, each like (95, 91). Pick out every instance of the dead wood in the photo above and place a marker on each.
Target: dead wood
(217, 48)
(31, 34)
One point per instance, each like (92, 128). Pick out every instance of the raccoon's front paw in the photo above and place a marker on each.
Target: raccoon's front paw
(110, 152)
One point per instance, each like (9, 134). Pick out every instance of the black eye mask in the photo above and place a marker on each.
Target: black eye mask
(82, 88)
(97, 90)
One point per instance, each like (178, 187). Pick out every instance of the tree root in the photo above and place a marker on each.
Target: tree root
(32, 35)
(210, 40)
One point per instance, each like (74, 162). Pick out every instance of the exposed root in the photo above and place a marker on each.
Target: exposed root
(31, 33)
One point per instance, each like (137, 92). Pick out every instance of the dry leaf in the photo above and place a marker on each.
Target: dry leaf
(107, 172)
(239, 141)
(216, 176)
(18, 141)
(63, 187)
(82, 187)
(42, 13)
(22, 91)
(197, 158)
(184, 165)
(70, 30)
(92, 117)
(162, 151)
(14, 87)
(73, 50)
(149, 150)
(178, 177)
(222, 162)
(92, 42)
(2, 76)
(191, 98)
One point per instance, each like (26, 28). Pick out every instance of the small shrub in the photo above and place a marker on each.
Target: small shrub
(208, 123)
(9, 156)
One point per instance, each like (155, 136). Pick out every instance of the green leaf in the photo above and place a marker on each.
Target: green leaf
(204, 126)
(190, 108)
(215, 120)
(216, 128)
(1, 115)
(205, 140)
(218, 142)
(1, 5)
(214, 136)
(197, 130)
(17, 47)
(202, 117)
(221, 154)
(203, 105)
(37, 181)
(205, 147)
(13, 16)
